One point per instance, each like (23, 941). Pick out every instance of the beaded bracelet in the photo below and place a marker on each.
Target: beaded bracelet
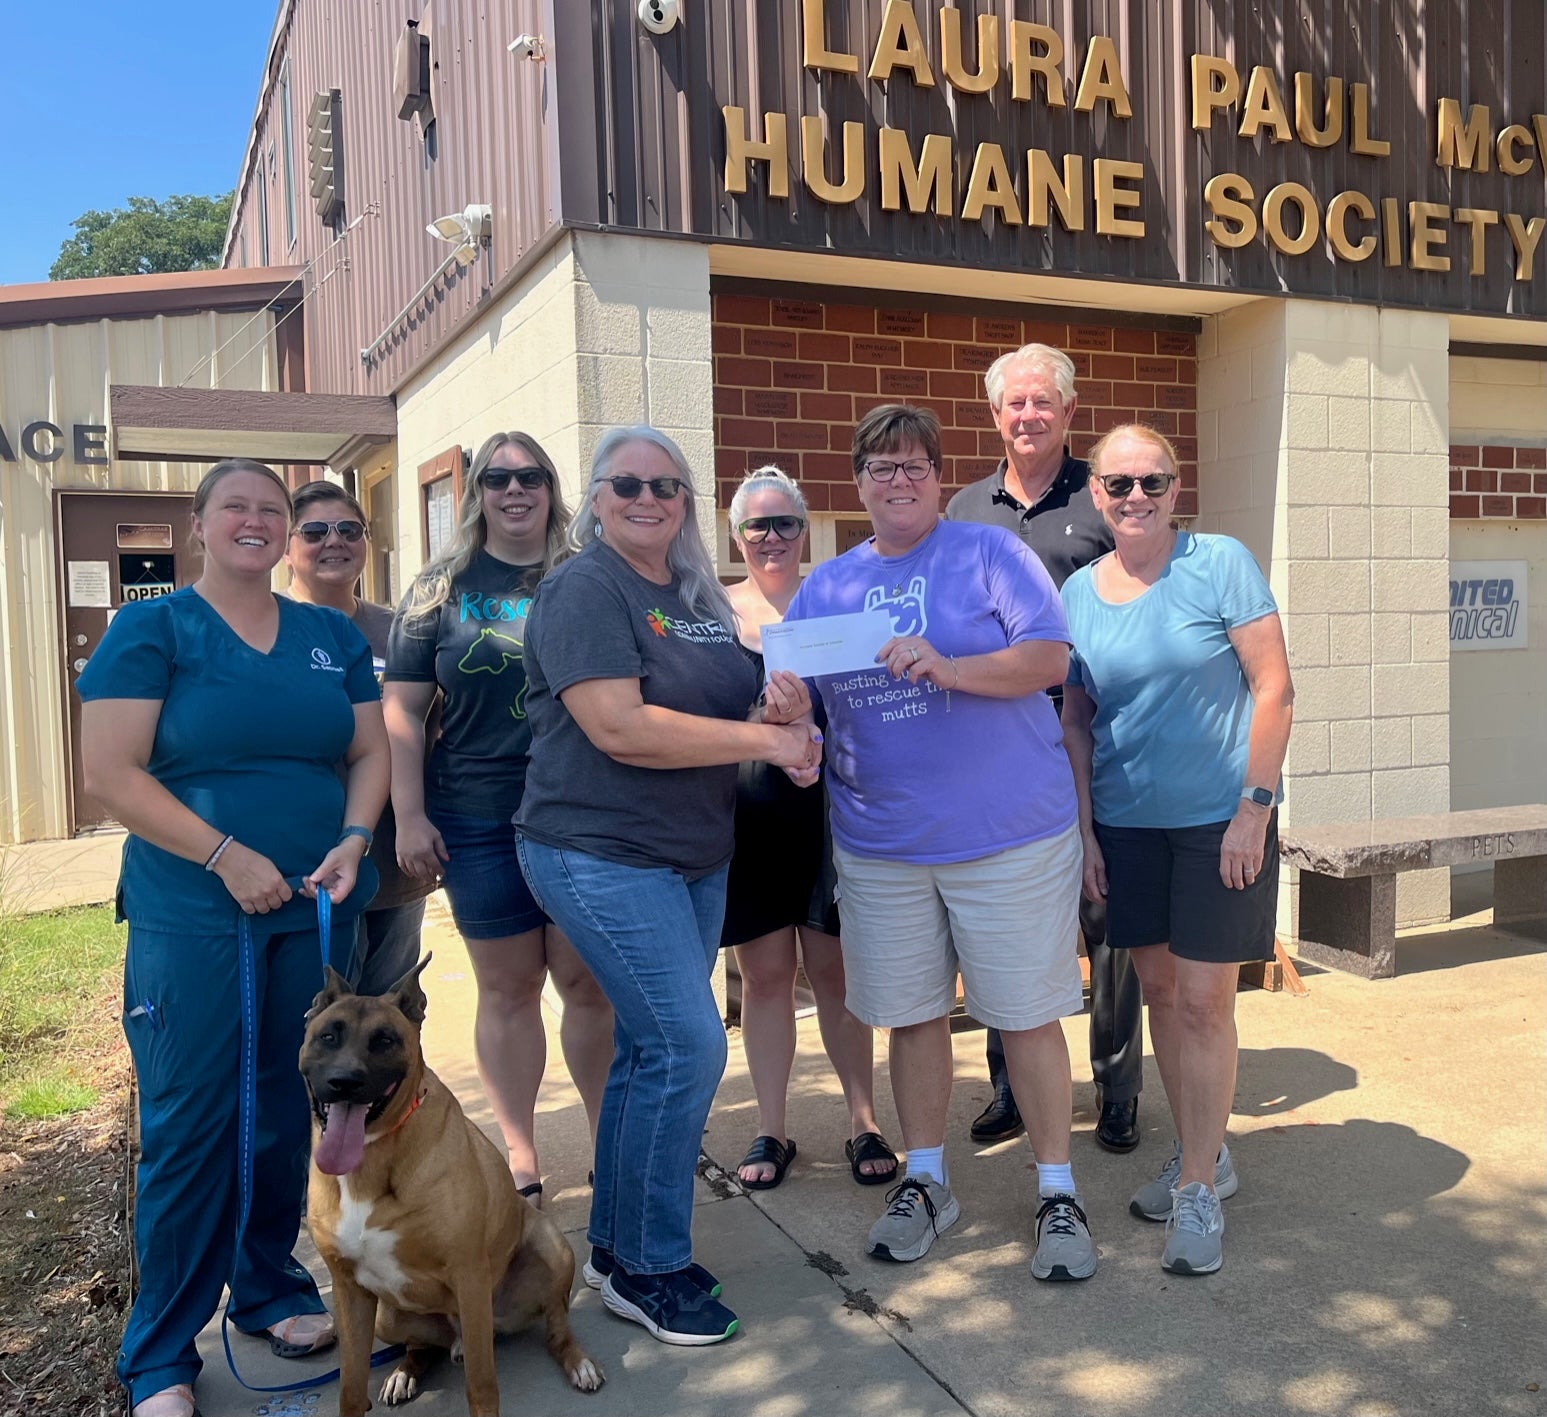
(218, 852)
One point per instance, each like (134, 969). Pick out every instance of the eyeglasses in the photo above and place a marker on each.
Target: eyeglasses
(887, 471)
(497, 479)
(1152, 484)
(786, 528)
(347, 529)
(662, 488)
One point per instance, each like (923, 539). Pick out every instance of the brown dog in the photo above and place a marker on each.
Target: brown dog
(415, 1211)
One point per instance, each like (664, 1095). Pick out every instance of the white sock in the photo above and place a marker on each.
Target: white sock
(927, 1161)
(1055, 1180)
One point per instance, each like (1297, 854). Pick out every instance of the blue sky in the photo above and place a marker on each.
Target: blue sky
(109, 100)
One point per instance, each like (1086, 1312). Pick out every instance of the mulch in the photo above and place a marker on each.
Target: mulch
(64, 1245)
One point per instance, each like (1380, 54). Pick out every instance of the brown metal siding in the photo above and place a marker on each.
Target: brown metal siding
(491, 143)
(653, 159)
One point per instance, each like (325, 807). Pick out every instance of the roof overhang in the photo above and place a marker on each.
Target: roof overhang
(205, 425)
(140, 297)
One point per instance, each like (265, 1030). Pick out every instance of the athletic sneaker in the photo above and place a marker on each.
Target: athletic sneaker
(1064, 1247)
(917, 1210)
(1195, 1232)
(601, 1264)
(670, 1307)
(1153, 1200)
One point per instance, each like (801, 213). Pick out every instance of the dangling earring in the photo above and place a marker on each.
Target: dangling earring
(598, 531)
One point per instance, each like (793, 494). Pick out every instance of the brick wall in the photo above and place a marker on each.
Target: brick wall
(792, 377)
(1498, 482)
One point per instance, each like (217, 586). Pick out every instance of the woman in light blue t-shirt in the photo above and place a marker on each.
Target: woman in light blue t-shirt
(1176, 718)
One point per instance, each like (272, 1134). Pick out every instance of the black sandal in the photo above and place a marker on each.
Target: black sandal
(767, 1151)
(530, 1193)
(872, 1147)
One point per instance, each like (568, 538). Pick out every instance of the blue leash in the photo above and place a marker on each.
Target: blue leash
(247, 983)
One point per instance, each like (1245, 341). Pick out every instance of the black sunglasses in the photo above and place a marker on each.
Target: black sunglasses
(663, 488)
(348, 530)
(786, 528)
(497, 479)
(1152, 484)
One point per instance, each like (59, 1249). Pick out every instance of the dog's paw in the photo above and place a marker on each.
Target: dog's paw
(456, 1349)
(399, 1386)
(587, 1375)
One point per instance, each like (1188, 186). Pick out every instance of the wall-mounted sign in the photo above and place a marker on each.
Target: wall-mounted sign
(45, 442)
(1488, 605)
(1195, 143)
(88, 585)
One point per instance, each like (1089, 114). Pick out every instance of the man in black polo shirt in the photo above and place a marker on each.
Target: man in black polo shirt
(1040, 493)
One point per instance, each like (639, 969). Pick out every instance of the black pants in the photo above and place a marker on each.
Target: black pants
(1116, 1016)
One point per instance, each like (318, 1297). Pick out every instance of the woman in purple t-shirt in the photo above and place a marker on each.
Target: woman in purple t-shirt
(954, 824)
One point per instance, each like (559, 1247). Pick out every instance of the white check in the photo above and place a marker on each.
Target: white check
(830, 644)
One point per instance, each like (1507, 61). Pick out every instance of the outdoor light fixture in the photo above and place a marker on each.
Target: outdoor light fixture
(467, 229)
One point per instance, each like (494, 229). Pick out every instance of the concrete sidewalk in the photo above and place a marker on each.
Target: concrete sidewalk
(1384, 1257)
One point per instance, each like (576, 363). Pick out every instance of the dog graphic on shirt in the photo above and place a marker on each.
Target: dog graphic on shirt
(906, 610)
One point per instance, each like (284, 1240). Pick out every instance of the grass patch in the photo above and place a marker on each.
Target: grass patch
(54, 1094)
(53, 968)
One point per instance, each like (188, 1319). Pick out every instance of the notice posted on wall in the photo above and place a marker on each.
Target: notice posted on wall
(89, 587)
(1488, 605)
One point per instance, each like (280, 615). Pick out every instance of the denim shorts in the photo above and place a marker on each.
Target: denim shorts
(488, 894)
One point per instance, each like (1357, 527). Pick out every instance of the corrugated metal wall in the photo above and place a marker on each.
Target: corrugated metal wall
(489, 143)
(652, 157)
(62, 373)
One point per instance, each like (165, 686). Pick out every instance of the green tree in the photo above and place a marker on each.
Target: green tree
(146, 238)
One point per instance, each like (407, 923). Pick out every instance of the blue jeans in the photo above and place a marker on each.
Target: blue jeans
(650, 937)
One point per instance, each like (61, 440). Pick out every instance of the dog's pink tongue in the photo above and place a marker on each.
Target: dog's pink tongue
(341, 1147)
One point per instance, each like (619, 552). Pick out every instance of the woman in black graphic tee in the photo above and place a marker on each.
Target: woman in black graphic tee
(460, 636)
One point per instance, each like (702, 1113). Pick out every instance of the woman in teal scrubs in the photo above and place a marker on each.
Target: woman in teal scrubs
(212, 723)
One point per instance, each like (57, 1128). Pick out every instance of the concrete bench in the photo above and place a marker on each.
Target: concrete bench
(1348, 876)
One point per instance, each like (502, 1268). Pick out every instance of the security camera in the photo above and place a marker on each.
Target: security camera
(528, 46)
(660, 16)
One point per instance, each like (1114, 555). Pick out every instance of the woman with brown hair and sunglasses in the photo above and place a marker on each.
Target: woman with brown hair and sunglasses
(329, 543)
(782, 884)
(460, 636)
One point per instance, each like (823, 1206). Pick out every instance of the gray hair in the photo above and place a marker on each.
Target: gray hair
(1038, 356)
(768, 478)
(687, 557)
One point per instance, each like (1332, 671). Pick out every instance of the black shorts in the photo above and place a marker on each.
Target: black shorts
(1163, 887)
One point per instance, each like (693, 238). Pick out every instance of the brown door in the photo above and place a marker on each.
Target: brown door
(114, 548)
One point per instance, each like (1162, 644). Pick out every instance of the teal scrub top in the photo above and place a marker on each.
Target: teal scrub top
(248, 741)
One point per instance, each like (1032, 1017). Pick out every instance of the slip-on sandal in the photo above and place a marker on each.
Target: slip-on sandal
(532, 1194)
(871, 1147)
(767, 1151)
(301, 1335)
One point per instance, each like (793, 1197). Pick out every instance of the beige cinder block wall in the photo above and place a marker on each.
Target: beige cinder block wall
(606, 330)
(1323, 445)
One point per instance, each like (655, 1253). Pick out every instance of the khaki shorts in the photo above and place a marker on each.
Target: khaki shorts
(1008, 922)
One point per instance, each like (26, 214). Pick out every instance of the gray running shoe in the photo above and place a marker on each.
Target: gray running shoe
(917, 1210)
(1195, 1232)
(1064, 1247)
(1152, 1201)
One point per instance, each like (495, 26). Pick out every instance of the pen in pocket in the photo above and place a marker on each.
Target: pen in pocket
(147, 1011)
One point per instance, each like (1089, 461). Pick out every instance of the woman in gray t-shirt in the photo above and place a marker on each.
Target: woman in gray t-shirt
(641, 707)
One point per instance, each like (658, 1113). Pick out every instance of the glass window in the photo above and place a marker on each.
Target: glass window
(263, 214)
(289, 160)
